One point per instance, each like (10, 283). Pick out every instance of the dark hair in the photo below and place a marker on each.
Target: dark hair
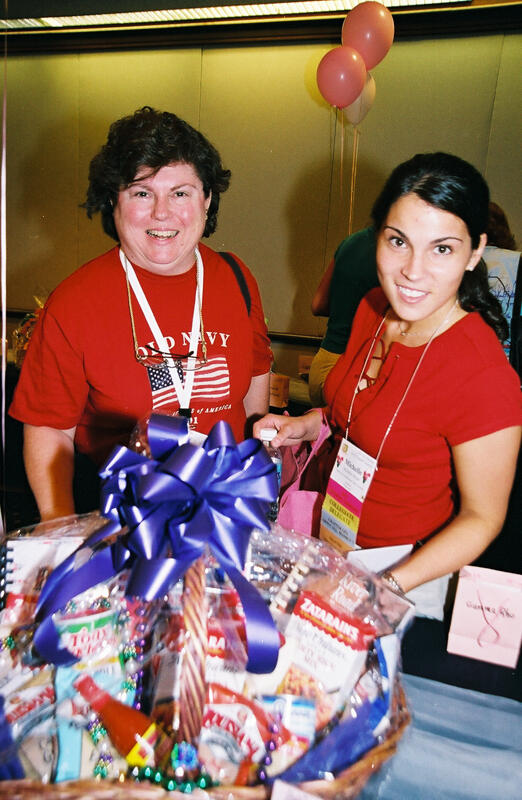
(498, 230)
(448, 182)
(154, 139)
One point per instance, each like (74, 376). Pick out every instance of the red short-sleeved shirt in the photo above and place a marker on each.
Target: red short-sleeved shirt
(80, 368)
(464, 389)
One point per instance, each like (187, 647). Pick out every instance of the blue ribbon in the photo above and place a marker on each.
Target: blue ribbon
(163, 512)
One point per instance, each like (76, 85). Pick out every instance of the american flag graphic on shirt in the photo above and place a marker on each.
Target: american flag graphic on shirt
(211, 382)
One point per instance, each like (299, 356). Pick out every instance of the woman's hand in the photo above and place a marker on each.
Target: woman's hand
(291, 430)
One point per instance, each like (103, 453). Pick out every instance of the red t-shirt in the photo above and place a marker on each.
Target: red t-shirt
(464, 389)
(80, 368)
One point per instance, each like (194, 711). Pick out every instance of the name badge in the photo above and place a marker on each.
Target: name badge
(346, 491)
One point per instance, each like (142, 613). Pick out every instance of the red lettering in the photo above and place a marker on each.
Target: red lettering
(25, 707)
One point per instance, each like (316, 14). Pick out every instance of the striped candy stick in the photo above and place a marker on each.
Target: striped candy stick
(192, 681)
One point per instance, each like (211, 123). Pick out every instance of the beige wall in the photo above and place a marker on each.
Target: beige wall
(261, 108)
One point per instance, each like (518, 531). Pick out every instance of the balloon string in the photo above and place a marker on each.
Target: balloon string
(332, 161)
(355, 151)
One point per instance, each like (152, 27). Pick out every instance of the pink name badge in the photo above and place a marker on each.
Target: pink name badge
(348, 485)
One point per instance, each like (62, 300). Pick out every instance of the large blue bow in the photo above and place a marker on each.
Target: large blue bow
(163, 512)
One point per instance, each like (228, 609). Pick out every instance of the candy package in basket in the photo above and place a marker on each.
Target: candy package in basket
(175, 639)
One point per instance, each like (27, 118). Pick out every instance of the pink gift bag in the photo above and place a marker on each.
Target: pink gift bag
(300, 509)
(487, 616)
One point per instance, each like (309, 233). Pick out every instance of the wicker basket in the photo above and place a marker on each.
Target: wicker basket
(345, 786)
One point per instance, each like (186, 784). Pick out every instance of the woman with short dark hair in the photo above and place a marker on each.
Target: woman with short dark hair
(159, 323)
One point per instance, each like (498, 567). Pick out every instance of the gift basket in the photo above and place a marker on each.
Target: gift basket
(174, 641)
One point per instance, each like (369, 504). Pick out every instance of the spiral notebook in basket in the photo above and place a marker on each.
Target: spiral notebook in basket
(25, 563)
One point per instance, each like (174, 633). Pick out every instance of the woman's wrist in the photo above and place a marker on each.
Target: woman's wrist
(312, 420)
(392, 581)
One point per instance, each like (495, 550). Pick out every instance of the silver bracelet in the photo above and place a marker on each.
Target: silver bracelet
(390, 578)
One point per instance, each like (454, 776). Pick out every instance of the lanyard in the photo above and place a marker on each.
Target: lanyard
(407, 389)
(183, 387)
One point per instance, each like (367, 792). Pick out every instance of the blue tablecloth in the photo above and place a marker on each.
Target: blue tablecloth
(461, 745)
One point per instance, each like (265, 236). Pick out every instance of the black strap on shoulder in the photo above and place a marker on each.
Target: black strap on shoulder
(238, 272)
(515, 353)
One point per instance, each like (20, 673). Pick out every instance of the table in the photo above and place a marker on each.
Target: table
(461, 745)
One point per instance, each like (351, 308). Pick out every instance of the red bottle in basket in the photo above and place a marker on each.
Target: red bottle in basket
(134, 735)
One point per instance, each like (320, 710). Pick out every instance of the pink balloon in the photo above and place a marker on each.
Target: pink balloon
(341, 75)
(369, 29)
